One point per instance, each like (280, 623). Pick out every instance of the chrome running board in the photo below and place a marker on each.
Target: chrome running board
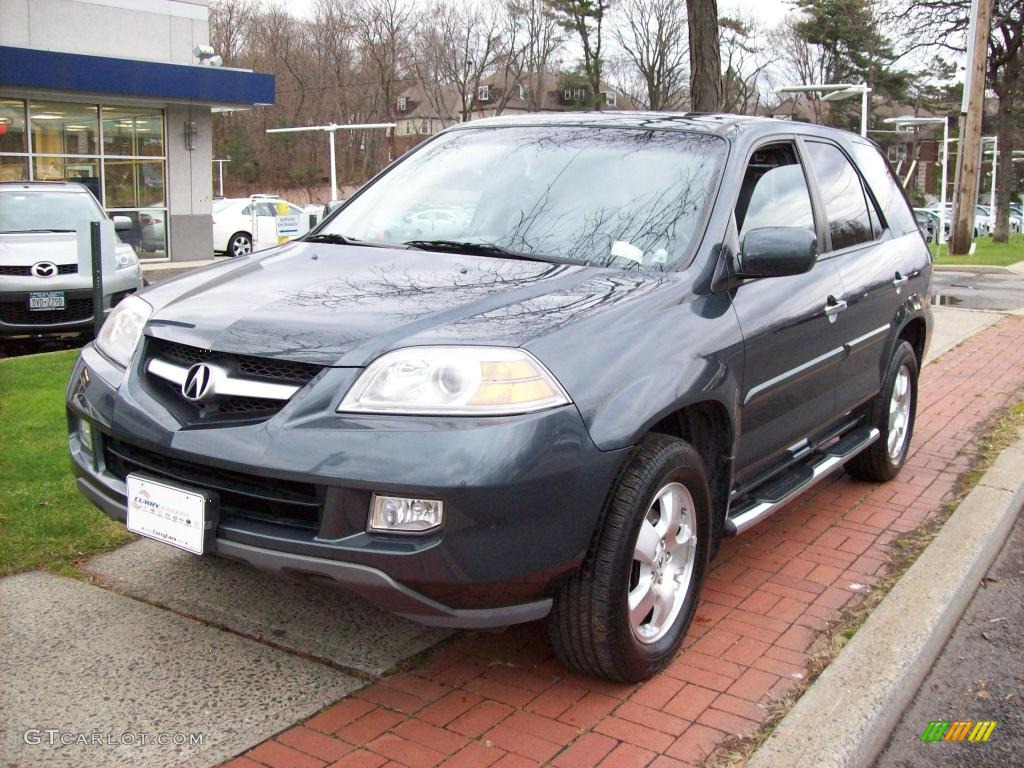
(780, 490)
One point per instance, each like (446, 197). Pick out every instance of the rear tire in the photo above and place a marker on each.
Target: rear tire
(892, 413)
(651, 552)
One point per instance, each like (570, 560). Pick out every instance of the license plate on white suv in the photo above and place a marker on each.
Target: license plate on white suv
(44, 301)
(169, 513)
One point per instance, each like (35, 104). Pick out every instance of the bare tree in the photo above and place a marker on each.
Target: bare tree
(384, 31)
(745, 63)
(532, 37)
(652, 35)
(1006, 77)
(458, 46)
(705, 59)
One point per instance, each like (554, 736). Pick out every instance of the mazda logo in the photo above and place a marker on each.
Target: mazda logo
(44, 269)
(198, 382)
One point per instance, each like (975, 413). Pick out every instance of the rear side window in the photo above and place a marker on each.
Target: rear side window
(843, 196)
(885, 188)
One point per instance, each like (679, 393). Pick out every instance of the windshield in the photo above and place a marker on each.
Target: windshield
(599, 196)
(45, 211)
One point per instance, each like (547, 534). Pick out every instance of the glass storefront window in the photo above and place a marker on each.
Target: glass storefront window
(13, 168)
(133, 183)
(133, 131)
(12, 126)
(84, 170)
(64, 128)
(64, 139)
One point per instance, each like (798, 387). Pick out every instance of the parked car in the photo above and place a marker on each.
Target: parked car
(654, 331)
(42, 291)
(981, 228)
(153, 231)
(233, 221)
(1014, 221)
(928, 222)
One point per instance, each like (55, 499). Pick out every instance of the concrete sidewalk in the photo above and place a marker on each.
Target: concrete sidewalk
(162, 642)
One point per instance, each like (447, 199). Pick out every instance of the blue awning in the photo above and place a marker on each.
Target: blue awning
(32, 68)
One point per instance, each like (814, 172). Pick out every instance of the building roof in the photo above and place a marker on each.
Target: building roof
(52, 70)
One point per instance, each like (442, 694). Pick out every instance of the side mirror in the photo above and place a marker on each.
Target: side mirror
(122, 224)
(777, 252)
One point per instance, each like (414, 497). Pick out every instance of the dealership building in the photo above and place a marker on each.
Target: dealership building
(110, 93)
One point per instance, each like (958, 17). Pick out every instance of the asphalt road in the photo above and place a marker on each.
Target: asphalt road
(978, 676)
(967, 290)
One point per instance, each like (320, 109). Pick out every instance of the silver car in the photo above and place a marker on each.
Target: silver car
(42, 292)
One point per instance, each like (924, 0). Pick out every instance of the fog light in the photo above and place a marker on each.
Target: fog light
(395, 514)
(85, 434)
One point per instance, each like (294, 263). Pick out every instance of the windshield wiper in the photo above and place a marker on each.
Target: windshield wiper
(342, 240)
(474, 249)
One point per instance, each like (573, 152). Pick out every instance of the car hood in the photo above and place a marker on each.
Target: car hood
(28, 248)
(345, 305)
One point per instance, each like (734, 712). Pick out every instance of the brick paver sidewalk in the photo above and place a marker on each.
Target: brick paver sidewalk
(503, 700)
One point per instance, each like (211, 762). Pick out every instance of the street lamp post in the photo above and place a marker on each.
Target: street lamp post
(836, 92)
(330, 130)
(220, 173)
(995, 167)
(909, 121)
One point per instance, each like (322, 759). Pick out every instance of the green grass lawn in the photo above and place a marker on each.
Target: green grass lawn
(987, 253)
(44, 522)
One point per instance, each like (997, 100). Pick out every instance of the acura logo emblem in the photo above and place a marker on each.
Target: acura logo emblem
(198, 382)
(44, 269)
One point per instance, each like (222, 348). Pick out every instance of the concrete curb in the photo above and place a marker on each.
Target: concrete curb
(845, 718)
(979, 269)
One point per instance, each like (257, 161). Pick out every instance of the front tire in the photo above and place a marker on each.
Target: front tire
(240, 244)
(892, 413)
(624, 614)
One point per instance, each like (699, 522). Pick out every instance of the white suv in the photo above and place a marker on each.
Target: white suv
(42, 292)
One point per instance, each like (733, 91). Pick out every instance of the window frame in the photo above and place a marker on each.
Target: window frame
(866, 193)
(817, 212)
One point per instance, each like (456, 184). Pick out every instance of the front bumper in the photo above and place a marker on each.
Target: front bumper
(522, 495)
(77, 318)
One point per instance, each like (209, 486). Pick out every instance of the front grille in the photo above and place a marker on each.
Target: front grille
(248, 366)
(260, 369)
(18, 313)
(19, 271)
(255, 497)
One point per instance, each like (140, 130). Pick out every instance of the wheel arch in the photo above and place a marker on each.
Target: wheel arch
(707, 425)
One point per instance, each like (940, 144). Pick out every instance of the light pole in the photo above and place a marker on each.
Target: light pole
(220, 173)
(995, 166)
(330, 130)
(836, 92)
(909, 121)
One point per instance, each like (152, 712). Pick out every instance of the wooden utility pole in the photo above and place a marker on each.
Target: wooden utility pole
(972, 109)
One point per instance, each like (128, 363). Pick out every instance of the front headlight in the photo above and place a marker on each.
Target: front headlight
(125, 258)
(122, 330)
(463, 381)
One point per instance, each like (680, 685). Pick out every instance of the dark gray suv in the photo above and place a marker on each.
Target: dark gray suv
(537, 367)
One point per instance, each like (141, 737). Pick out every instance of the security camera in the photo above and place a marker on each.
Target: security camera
(204, 52)
(215, 61)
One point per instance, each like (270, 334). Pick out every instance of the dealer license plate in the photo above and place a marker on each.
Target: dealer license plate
(43, 301)
(173, 515)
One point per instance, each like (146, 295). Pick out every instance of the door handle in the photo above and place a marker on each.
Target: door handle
(899, 282)
(833, 307)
